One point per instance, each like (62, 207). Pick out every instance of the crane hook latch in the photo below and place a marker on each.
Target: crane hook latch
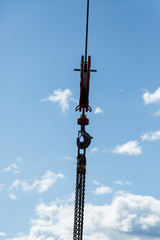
(86, 140)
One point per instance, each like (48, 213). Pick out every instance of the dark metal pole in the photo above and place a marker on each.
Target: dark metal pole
(87, 31)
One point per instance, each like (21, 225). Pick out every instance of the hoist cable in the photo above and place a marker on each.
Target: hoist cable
(87, 20)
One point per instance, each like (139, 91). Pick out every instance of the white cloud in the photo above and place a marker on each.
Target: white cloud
(128, 183)
(152, 97)
(94, 150)
(152, 136)
(127, 213)
(12, 196)
(42, 185)
(98, 110)
(131, 148)
(2, 234)
(119, 182)
(102, 190)
(96, 182)
(63, 97)
(12, 168)
(129, 216)
(19, 159)
(157, 113)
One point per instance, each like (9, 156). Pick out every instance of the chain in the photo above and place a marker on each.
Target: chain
(79, 197)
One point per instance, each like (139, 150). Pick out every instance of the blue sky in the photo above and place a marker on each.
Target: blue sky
(40, 44)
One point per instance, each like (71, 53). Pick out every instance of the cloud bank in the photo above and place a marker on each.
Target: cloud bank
(129, 216)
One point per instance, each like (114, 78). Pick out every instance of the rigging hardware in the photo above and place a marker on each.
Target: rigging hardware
(82, 145)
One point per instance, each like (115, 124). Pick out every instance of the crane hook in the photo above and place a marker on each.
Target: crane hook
(86, 138)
